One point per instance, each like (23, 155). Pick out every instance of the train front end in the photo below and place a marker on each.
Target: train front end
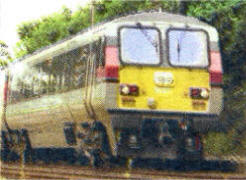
(169, 89)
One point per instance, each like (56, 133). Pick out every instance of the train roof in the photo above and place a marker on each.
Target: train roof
(151, 16)
(161, 16)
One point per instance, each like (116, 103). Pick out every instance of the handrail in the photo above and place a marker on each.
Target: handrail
(86, 86)
(92, 77)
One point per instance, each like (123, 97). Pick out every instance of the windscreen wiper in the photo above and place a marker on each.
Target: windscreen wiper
(153, 43)
(180, 40)
(178, 49)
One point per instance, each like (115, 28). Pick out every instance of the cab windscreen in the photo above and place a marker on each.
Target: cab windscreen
(187, 48)
(140, 45)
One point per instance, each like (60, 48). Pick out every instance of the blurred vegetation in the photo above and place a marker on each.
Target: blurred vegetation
(229, 17)
(5, 57)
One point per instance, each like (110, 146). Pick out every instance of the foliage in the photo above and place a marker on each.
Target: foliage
(45, 31)
(4, 54)
(218, 144)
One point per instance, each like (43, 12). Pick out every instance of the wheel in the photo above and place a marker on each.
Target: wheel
(96, 160)
(191, 148)
(94, 144)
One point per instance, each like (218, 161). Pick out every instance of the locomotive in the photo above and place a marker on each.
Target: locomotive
(146, 85)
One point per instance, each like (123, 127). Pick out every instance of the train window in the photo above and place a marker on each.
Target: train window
(140, 45)
(57, 74)
(22, 82)
(100, 53)
(67, 71)
(188, 48)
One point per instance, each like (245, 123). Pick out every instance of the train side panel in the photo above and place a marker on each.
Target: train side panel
(45, 95)
(44, 117)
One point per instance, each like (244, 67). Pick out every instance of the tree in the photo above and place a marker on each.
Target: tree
(5, 57)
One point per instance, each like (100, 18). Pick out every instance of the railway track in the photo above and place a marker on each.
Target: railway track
(18, 171)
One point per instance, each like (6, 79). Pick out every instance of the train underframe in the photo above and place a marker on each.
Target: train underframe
(138, 135)
(162, 135)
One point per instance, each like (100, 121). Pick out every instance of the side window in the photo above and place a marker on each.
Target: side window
(79, 68)
(23, 82)
(98, 54)
(99, 47)
(57, 74)
(67, 70)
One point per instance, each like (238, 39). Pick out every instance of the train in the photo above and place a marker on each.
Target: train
(144, 85)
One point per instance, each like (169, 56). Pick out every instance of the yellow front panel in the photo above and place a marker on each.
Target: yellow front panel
(173, 96)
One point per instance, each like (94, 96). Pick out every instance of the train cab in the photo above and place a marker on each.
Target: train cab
(169, 78)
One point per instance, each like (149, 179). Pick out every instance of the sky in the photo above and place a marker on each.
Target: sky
(14, 12)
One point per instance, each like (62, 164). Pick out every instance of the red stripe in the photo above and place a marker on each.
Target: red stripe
(215, 68)
(111, 62)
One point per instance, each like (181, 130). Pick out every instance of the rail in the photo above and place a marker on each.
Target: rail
(18, 171)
